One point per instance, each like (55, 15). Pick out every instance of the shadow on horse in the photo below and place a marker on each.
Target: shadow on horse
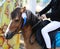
(31, 29)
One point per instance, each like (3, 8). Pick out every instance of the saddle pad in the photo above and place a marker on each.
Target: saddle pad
(57, 40)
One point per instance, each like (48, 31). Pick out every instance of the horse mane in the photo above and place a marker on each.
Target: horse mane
(31, 18)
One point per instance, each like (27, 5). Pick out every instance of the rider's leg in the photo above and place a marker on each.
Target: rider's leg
(50, 27)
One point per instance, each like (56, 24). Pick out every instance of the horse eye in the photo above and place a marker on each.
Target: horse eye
(16, 20)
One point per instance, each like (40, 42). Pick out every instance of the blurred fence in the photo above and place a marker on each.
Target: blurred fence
(6, 7)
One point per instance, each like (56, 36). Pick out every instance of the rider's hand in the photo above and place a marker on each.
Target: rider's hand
(43, 16)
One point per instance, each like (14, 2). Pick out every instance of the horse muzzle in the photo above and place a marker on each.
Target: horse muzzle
(9, 35)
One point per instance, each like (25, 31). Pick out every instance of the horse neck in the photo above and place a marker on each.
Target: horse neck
(26, 34)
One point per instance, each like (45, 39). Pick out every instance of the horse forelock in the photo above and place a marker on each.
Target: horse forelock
(15, 13)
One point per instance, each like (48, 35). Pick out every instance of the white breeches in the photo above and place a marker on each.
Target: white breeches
(49, 27)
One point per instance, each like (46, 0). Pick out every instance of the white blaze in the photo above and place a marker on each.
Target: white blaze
(8, 28)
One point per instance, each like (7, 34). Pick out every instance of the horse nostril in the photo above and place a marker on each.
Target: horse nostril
(9, 36)
(6, 36)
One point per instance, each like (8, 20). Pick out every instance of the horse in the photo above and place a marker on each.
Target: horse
(28, 27)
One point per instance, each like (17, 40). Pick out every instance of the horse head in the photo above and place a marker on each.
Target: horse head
(15, 23)
(18, 20)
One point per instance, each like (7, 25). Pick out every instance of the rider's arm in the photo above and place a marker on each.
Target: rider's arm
(56, 12)
(45, 9)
